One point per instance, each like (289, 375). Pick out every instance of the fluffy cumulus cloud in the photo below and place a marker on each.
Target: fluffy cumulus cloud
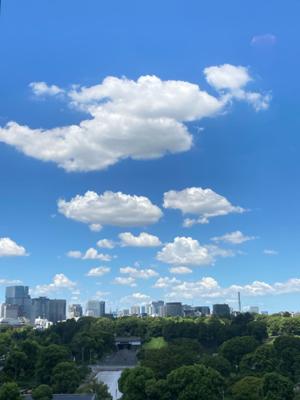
(90, 254)
(188, 251)
(142, 119)
(60, 281)
(136, 298)
(204, 203)
(232, 80)
(106, 244)
(165, 282)
(208, 287)
(9, 248)
(98, 271)
(142, 240)
(125, 281)
(137, 273)
(236, 237)
(42, 89)
(180, 270)
(110, 208)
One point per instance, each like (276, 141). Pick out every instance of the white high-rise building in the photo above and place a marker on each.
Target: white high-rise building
(95, 308)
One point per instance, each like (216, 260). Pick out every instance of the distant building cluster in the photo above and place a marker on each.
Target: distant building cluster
(19, 309)
(175, 309)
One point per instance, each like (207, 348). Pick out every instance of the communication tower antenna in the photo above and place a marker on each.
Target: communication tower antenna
(239, 301)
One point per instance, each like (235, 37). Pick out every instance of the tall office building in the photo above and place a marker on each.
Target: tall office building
(75, 311)
(57, 310)
(102, 308)
(9, 311)
(173, 309)
(40, 308)
(203, 310)
(157, 308)
(44, 308)
(135, 310)
(95, 308)
(221, 310)
(19, 295)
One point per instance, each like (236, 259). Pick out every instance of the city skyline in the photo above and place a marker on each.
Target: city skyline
(143, 163)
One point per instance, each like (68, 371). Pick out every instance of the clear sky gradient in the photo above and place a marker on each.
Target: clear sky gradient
(243, 151)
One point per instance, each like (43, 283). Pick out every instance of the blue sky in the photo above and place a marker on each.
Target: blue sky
(218, 111)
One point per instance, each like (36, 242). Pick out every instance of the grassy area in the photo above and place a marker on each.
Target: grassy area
(155, 343)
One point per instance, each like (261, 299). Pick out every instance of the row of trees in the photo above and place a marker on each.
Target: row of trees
(58, 357)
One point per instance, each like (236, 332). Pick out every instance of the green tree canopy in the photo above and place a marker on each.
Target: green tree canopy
(277, 387)
(10, 391)
(42, 392)
(98, 388)
(65, 378)
(133, 383)
(248, 388)
(234, 349)
(195, 382)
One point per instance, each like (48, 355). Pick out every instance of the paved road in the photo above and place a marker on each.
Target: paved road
(111, 378)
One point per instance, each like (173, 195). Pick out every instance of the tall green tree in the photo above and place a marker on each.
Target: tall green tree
(248, 388)
(195, 382)
(98, 388)
(10, 391)
(234, 349)
(42, 392)
(49, 357)
(133, 383)
(65, 377)
(277, 387)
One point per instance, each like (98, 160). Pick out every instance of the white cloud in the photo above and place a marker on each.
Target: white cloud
(128, 281)
(43, 89)
(60, 281)
(95, 227)
(8, 282)
(188, 251)
(205, 203)
(101, 295)
(74, 254)
(181, 270)
(98, 271)
(142, 240)
(139, 273)
(90, 254)
(143, 119)
(231, 80)
(267, 39)
(106, 244)
(236, 237)
(136, 298)
(270, 252)
(227, 76)
(110, 208)
(209, 288)
(165, 282)
(9, 248)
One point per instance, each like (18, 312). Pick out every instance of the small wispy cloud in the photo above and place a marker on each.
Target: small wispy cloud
(267, 39)
(270, 252)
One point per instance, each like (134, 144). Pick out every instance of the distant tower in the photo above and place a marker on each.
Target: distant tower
(239, 301)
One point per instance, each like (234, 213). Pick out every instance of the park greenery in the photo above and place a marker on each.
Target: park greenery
(244, 357)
